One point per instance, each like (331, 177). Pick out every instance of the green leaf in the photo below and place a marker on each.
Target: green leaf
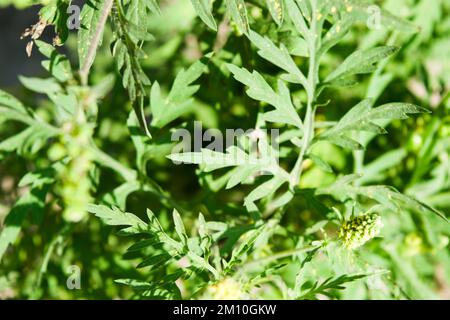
(361, 13)
(241, 174)
(212, 160)
(127, 50)
(179, 100)
(260, 90)
(278, 56)
(298, 47)
(155, 261)
(31, 202)
(335, 34)
(331, 283)
(89, 19)
(297, 18)
(119, 195)
(136, 21)
(18, 142)
(320, 163)
(238, 11)
(162, 288)
(157, 231)
(343, 189)
(140, 141)
(276, 9)
(55, 12)
(116, 217)
(48, 86)
(153, 6)
(203, 9)
(136, 284)
(234, 156)
(58, 65)
(29, 141)
(7, 100)
(360, 62)
(139, 32)
(247, 165)
(179, 226)
(361, 118)
(251, 237)
(201, 263)
(263, 190)
(38, 178)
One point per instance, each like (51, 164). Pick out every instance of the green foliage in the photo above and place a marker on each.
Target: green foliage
(203, 8)
(349, 201)
(360, 118)
(178, 101)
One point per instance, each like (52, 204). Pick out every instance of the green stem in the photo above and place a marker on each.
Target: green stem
(48, 254)
(152, 186)
(310, 108)
(148, 184)
(106, 160)
(278, 256)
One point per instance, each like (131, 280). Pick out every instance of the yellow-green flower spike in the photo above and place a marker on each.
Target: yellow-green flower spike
(226, 289)
(358, 230)
(74, 182)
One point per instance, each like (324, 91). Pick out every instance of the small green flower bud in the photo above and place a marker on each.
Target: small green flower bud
(57, 152)
(358, 230)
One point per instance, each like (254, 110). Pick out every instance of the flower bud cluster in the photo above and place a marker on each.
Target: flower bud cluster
(358, 230)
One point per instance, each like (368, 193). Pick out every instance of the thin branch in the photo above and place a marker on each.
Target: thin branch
(57, 240)
(278, 256)
(148, 184)
(106, 160)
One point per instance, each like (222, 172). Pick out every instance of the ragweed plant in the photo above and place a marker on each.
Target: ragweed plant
(361, 130)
